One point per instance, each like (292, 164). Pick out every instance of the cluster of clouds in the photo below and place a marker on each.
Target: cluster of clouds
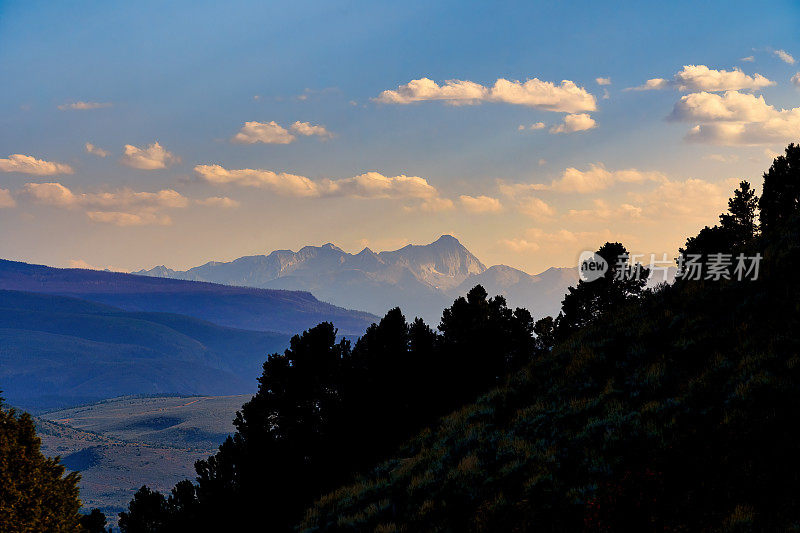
(273, 133)
(566, 97)
(122, 207)
(26, 164)
(723, 108)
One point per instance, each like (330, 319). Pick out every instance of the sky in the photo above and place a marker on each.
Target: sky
(141, 134)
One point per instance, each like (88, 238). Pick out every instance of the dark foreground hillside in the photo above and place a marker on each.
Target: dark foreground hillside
(673, 413)
(235, 307)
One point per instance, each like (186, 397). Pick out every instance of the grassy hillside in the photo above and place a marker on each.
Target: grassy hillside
(672, 414)
(57, 351)
(236, 307)
(118, 445)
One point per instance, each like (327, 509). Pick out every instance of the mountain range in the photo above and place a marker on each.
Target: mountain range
(281, 311)
(70, 336)
(421, 279)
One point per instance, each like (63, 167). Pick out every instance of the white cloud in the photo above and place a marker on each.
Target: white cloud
(118, 218)
(434, 205)
(748, 59)
(654, 84)
(602, 210)
(566, 97)
(702, 78)
(536, 208)
(308, 129)
(6, 200)
(735, 118)
(367, 185)
(279, 182)
(480, 204)
(263, 132)
(784, 56)
(573, 123)
(153, 157)
(796, 79)
(26, 164)
(533, 127)
(596, 178)
(722, 158)
(273, 133)
(83, 106)
(603, 81)
(56, 194)
(123, 207)
(691, 199)
(95, 150)
(218, 201)
(519, 245)
(731, 106)
(587, 240)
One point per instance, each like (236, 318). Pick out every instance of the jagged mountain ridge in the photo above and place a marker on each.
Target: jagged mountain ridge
(420, 279)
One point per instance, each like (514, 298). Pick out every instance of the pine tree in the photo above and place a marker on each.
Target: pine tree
(35, 495)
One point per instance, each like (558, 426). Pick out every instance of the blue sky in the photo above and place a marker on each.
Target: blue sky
(189, 75)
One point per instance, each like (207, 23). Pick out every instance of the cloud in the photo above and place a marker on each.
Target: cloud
(748, 59)
(6, 200)
(533, 127)
(654, 84)
(597, 178)
(784, 56)
(118, 218)
(573, 123)
(96, 150)
(536, 208)
(218, 201)
(263, 132)
(722, 158)
(367, 185)
(58, 195)
(153, 157)
(83, 106)
(602, 210)
(566, 97)
(588, 240)
(273, 133)
(519, 245)
(603, 81)
(796, 79)
(434, 205)
(691, 199)
(701, 78)
(307, 129)
(480, 204)
(26, 164)
(735, 118)
(123, 207)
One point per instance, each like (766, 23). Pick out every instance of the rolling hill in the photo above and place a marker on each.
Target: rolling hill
(57, 351)
(235, 307)
(120, 444)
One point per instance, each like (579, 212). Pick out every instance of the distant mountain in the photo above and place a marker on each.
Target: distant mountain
(236, 307)
(421, 280)
(541, 294)
(60, 351)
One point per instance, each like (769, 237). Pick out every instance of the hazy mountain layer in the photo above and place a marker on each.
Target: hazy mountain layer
(421, 280)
